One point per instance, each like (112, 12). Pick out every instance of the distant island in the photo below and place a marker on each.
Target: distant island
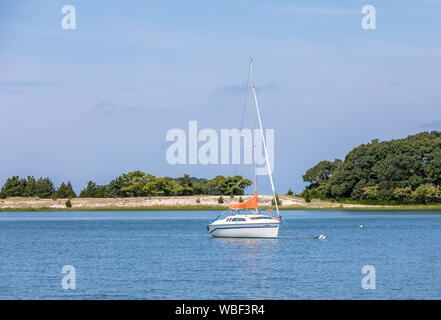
(140, 191)
(127, 185)
(401, 174)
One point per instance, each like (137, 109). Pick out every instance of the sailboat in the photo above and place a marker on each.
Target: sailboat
(245, 220)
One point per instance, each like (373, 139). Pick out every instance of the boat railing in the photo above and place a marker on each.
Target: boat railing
(266, 212)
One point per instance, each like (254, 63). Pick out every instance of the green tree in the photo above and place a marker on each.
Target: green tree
(236, 185)
(140, 184)
(433, 166)
(45, 188)
(433, 193)
(30, 189)
(134, 184)
(61, 191)
(273, 203)
(321, 172)
(404, 195)
(370, 193)
(70, 191)
(307, 196)
(14, 187)
(65, 191)
(89, 191)
(185, 186)
(397, 170)
(163, 186)
(115, 186)
(92, 190)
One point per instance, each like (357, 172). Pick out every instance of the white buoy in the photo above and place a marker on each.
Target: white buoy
(362, 226)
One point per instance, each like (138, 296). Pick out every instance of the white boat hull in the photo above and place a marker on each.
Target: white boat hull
(264, 230)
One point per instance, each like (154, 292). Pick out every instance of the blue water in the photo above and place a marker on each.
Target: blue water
(169, 255)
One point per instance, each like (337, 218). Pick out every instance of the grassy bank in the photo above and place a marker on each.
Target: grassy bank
(422, 208)
(148, 208)
(187, 203)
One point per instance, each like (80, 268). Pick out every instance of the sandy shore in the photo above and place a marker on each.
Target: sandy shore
(189, 202)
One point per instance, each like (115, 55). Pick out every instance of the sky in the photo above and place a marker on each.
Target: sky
(97, 101)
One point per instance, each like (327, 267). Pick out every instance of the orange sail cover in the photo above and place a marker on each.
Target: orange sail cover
(250, 204)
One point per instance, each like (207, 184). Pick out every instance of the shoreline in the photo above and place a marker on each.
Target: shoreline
(190, 203)
(201, 208)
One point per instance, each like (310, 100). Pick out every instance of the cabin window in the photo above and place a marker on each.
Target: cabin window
(239, 219)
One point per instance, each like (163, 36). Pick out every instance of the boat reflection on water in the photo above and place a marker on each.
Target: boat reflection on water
(248, 246)
(238, 254)
(246, 242)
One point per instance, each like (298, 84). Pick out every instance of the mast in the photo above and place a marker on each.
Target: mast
(253, 117)
(253, 92)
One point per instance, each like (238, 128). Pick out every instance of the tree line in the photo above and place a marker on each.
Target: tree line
(403, 171)
(31, 187)
(132, 184)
